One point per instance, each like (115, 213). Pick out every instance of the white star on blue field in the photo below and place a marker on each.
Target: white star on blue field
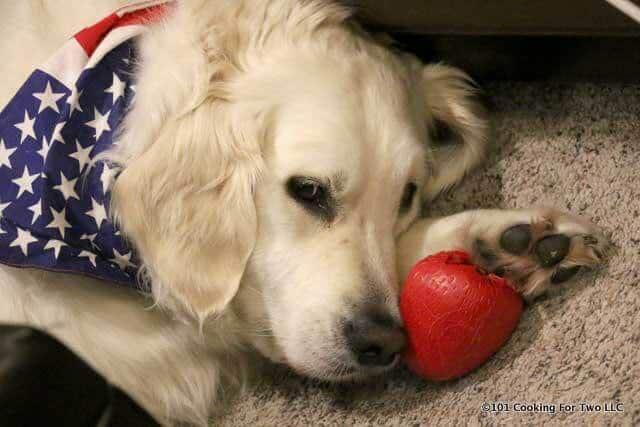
(53, 204)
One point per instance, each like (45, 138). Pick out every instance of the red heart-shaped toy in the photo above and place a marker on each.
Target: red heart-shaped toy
(456, 315)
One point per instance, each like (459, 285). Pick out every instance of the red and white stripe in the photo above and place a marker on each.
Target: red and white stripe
(91, 44)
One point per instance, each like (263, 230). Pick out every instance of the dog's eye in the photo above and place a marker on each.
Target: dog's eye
(312, 195)
(307, 191)
(407, 197)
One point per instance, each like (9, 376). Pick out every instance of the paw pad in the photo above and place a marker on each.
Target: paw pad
(564, 274)
(552, 249)
(516, 239)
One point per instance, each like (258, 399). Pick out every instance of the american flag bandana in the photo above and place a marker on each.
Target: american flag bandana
(54, 199)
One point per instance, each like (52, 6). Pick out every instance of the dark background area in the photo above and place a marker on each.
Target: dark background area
(571, 40)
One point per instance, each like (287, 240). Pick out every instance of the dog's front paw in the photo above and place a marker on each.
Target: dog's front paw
(540, 248)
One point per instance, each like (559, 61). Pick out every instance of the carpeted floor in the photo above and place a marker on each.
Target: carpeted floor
(573, 146)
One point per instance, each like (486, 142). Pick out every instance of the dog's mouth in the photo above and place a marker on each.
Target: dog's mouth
(343, 370)
(359, 372)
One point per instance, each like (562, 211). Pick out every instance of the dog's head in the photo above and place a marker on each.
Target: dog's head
(271, 165)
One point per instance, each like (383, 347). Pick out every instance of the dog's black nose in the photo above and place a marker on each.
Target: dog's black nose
(375, 339)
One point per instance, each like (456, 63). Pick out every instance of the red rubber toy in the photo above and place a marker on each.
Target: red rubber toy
(456, 315)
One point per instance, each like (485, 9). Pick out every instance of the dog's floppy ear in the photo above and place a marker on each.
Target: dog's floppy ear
(456, 124)
(191, 158)
(186, 204)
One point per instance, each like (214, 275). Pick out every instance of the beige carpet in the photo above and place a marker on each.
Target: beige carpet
(574, 146)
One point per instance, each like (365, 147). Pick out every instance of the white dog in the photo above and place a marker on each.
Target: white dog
(274, 157)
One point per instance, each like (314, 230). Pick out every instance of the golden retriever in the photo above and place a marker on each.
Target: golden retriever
(275, 165)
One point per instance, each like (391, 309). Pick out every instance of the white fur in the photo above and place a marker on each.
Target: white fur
(235, 97)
